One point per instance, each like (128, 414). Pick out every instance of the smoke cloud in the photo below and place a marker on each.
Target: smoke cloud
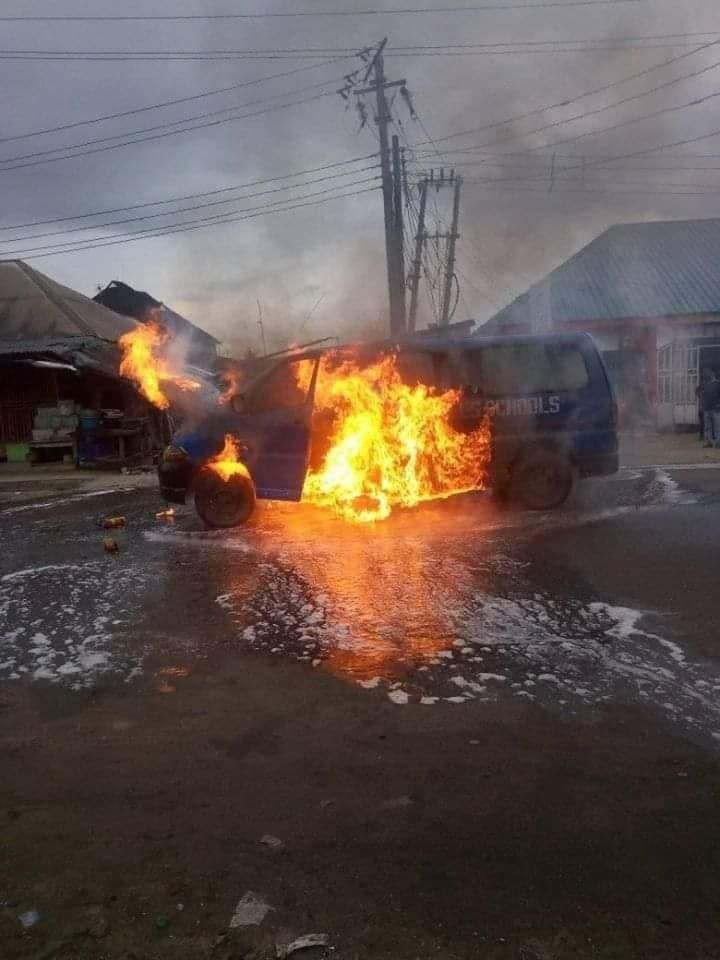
(320, 270)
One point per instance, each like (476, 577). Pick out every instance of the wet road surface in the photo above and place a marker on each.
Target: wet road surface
(480, 735)
(451, 602)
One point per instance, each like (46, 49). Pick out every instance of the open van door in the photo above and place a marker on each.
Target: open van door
(274, 424)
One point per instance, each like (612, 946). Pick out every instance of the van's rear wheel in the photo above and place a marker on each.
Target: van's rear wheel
(224, 503)
(541, 480)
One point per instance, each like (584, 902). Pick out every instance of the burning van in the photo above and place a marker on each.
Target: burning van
(366, 429)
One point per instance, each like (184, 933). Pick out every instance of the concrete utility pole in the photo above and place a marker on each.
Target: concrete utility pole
(422, 237)
(392, 200)
(450, 263)
(262, 326)
(399, 226)
(417, 260)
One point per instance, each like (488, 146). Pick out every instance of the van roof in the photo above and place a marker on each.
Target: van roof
(434, 343)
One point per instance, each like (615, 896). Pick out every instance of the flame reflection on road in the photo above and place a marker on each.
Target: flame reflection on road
(383, 604)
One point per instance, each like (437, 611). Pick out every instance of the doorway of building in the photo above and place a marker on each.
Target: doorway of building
(709, 357)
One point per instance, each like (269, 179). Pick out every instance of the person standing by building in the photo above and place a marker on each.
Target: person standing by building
(714, 400)
(708, 393)
(699, 393)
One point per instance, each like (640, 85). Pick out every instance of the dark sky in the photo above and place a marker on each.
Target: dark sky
(513, 230)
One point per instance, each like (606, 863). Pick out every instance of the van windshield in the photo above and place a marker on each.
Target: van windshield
(524, 368)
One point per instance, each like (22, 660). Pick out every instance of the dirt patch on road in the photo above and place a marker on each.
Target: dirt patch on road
(133, 821)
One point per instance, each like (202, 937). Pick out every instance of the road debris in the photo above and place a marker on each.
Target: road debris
(29, 918)
(166, 516)
(275, 843)
(111, 545)
(398, 802)
(98, 922)
(250, 911)
(113, 523)
(283, 950)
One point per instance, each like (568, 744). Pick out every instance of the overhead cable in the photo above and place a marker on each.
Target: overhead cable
(185, 229)
(40, 157)
(187, 196)
(568, 101)
(392, 11)
(171, 103)
(198, 206)
(208, 219)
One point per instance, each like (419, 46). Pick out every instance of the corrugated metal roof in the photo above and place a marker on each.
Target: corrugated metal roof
(633, 270)
(82, 352)
(32, 307)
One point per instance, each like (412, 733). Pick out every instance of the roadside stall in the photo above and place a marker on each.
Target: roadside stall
(61, 397)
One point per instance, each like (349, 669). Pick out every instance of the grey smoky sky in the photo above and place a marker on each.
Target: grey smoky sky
(320, 270)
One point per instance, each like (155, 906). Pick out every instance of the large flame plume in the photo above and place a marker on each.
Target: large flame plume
(391, 444)
(227, 463)
(143, 362)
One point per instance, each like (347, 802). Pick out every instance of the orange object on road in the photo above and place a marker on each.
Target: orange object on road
(112, 523)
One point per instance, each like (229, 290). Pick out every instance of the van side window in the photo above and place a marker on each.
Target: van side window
(525, 368)
(416, 367)
(284, 388)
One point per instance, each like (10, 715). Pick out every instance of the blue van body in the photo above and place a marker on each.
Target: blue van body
(550, 392)
(541, 393)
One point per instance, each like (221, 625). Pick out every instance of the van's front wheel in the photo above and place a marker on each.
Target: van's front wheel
(541, 480)
(224, 503)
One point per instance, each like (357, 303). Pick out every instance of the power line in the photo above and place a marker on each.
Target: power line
(481, 293)
(41, 158)
(518, 162)
(188, 196)
(199, 206)
(515, 50)
(397, 11)
(526, 186)
(397, 50)
(174, 123)
(662, 146)
(171, 103)
(208, 219)
(539, 162)
(616, 126)
(709, 188)
(155, 56)
(568, 102)
(186, 229)
(706, 34)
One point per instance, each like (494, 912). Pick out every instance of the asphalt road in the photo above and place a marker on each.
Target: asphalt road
(477, 733)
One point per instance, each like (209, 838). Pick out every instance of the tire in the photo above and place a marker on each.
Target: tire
(542, 480)
(221, 503)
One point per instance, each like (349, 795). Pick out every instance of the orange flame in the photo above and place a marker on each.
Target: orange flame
(141, 362)
(227, 463)
(391, 445)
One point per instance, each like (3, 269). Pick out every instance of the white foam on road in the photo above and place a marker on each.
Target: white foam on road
(203, 539)
(67, 623)
(45, 568)
(61, 501)
(487, 636)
